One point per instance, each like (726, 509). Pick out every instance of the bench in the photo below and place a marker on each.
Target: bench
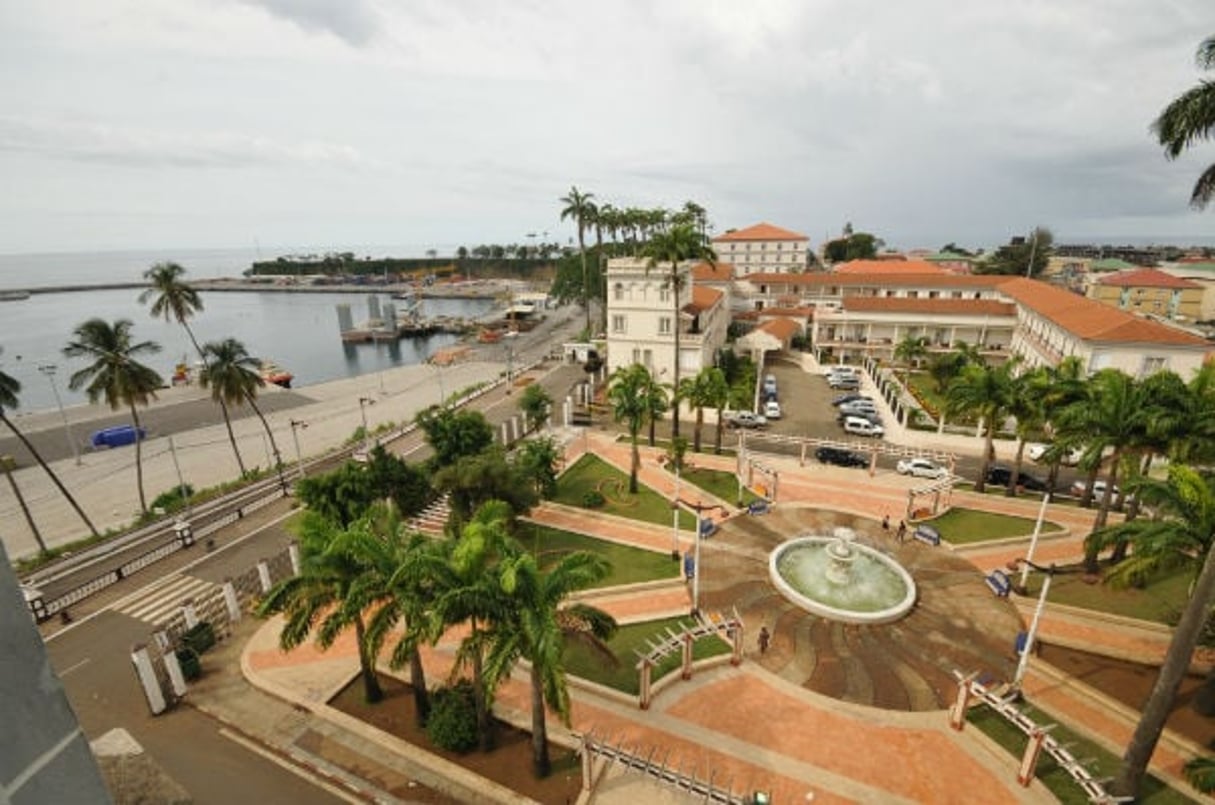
(707, 528)
(757, 507)
(927, 534)
(999, 583)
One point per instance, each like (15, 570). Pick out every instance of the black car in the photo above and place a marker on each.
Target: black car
(872, 416)
(841, 457)
(1000, 474)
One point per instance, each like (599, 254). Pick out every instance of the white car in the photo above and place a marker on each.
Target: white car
(1070, 459)
(1077, 489)
(921, 468)
(772, 409)
(863, 427)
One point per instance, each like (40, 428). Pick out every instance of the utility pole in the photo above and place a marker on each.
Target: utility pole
(48, 370)
(296, 425)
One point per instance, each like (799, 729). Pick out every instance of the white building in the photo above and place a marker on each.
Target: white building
(762, 248)
(641, 319)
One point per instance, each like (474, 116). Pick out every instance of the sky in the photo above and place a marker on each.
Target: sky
(435, 123)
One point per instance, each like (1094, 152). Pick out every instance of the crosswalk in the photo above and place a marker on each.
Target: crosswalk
(160, 602)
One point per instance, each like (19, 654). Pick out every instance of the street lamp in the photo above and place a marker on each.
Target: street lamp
(510, 354)
(363, 403)
(296, 425)
(1032, 634)
(49, 369)
(1033, 541)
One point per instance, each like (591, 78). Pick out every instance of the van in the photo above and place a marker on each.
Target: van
(863, 427)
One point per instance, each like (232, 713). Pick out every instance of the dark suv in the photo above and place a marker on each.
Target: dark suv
(841, 457)
(999, 475)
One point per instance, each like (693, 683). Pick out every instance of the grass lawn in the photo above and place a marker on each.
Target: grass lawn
(961, 526)
(719, 483)
(581, 661)
(591, 473)
(1049, 772)
(629, 564)
(1160, 602)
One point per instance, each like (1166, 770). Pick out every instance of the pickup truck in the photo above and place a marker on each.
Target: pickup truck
(745, 419)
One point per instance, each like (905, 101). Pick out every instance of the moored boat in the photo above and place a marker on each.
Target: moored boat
(273, 373)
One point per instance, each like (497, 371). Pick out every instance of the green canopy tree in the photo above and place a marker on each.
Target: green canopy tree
(706, 389)
(454, 434)
(116, 375)
(536, 405)
(342, 496)
(539, 624)
(233, 375)
(473, 481)
(10, 387)
(538, 459)
(1190, 118)
(668, 250)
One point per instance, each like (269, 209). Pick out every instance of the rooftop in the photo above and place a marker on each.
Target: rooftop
(761, 231)
(1146, 278)
(888, 267)
(954, 307)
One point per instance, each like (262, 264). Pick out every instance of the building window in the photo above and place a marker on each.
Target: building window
(637, 355)
(1151, 365)
(664, 294)
(619, 292)
(649, 359)
(664, 325)
(617, 324)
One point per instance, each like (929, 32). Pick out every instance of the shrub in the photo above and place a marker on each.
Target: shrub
(593, 499)
(453, 718)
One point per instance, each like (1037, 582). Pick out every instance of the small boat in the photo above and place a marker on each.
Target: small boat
(273, 373)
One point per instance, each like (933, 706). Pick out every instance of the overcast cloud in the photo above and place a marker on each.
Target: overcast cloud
(220, 123)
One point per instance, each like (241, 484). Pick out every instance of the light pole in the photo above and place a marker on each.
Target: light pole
(296, 425)
(1032, 634)
(696, 564)
(1033, 541)
(510, 354)
(363, 403)
(675, 510)
(49, 369)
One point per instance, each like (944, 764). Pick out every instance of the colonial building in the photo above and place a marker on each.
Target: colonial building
(762, 248)
(1151, 292)
(642, 321)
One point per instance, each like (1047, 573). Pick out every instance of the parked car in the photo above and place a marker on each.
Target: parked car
(745, 419)
(848, 382)
(998, 474)
(1077, 489)
(769, 384)
(117, 436)
(858, 407)
(863, 427)
(921, 468)
(850, 397)
(841, 457)
(1070, 459)
(872, 416)
(772, 409)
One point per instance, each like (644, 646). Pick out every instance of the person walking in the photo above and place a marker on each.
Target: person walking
(764, 638)
(901, 534)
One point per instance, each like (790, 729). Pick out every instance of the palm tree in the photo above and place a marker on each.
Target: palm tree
(672, 248)
(657, 399)
(1190, 117)
(313, 600)
(706, 389)
(538, 629)
(1025, 405)
(6, 465)
(627, 394)
(717, 394)
(9, 388)
(1065, 384)
(234, 377)
(1180, 536)
(174, 300)
(578, 206)
(116, 375)
(984, 392)
(911, 350)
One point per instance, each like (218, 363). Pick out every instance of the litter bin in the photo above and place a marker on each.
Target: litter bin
(191, 666)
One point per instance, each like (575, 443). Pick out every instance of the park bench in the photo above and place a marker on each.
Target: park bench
(927, 534)
(999, 583)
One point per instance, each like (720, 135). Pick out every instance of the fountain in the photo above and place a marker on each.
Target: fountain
(837, 578)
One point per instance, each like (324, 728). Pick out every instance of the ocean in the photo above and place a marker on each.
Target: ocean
(298, 331)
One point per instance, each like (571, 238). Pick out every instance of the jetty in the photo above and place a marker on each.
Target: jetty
(386, 323)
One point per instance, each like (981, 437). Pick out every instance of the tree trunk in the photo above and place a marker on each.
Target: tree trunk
(717, 439)
(635, 466)
(1107, 499)
(6, 463)
(484, 726)
(1164, 692)
(417, 681)
(278, 458)
(1015, 476)
(540, 760)
(143, 503)
(46, 467)
(223, 405)
(989, 447)
(700, 421)
(232, 438)
(372, 692)
(586, 287)
(1086, 500)
(653, 423)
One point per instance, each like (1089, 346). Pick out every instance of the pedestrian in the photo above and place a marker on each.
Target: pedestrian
(764, 638)
(902, 532)
(885, 522)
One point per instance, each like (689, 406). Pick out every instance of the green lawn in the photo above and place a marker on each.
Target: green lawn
(1050, 773)
(924, 388)
(591, 473)
(1160, 602)
(961, 526)
(581, 661)
(629, 565)
(719, 483)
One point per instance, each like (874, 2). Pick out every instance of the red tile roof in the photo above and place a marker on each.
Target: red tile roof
(803, 313)
(889, 266)
(782, 328)
(718, 272)
(761, 231)
(1092, 320)
(703, 299)
(1146, 278)
(944, 307)
(937, 278)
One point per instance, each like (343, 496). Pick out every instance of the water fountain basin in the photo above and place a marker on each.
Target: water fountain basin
(837, 578)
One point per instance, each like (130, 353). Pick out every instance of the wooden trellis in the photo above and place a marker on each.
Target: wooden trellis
(665, 644)
(636, 759)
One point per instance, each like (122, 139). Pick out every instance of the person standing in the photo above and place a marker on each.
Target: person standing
(902, 532)
(764, 638)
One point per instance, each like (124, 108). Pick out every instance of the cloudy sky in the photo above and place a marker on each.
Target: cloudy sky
(431, 123)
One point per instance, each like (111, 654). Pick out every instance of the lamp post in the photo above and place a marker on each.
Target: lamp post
(363, 403)
(696, 564)
(49, 369)
(296, 425)
(1033, 541)
(510, 354)
(1032, 634)
(675, 513)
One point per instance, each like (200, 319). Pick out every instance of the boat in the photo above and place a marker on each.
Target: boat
(273, 373)
(13, 296)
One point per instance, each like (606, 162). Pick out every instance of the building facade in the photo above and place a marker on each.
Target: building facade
(1150, 291)
(762, 248)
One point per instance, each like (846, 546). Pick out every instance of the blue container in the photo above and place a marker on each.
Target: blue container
(118, 436)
